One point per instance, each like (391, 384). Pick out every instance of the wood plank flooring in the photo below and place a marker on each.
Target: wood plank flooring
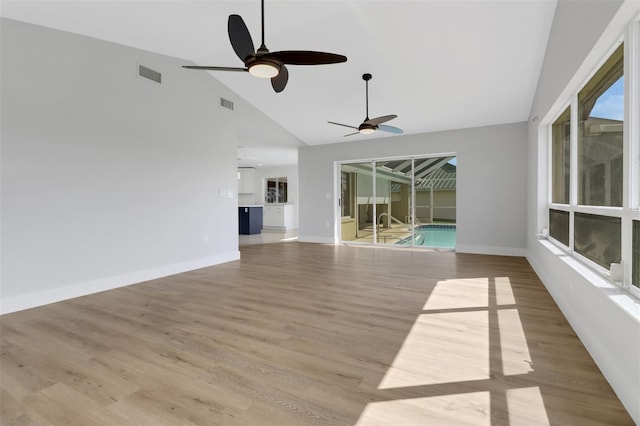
(308, 334)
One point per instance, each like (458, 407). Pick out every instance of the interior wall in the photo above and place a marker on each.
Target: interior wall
(108, 178)
(491, 184)
(601, 314)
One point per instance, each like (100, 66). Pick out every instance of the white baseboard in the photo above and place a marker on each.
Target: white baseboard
(315, 239)
(497, 251)
(44, 297)
(274, 228)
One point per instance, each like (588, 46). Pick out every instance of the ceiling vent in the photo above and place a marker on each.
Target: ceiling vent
(149, 73)
(226, 103)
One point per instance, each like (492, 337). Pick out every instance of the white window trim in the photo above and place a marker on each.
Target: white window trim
(631, 149)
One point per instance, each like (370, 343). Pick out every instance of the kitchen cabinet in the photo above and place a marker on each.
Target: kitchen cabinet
(246, 180)
(250, 220)
(278, 216)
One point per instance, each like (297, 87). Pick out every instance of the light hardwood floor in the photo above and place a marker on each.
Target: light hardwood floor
(308, 334)
(268, 236)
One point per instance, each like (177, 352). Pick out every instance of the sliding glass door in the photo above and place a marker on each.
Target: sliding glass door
(393, 201)
(400, 201)
(357, 202)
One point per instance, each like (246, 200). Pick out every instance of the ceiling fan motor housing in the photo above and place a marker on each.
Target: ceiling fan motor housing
(263, 60)
(366, 128)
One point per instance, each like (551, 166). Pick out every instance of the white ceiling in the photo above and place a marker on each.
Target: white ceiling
(438, 65)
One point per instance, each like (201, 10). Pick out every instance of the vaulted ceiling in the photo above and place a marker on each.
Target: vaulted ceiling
(438, 65)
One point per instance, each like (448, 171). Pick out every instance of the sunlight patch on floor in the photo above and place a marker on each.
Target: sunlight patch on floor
(450, 343)
(442, 348)
(504, 293)
(456, 409)
(459, 293)
(513, 344)
(526, 407)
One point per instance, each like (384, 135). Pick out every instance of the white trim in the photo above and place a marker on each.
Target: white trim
(595, 267)
(274, 228)
(599, 210)
(45, 297)
(413, 201)
(632, 109)
(573, 167)
(559, 245)
(375, 196)
(338, 202)
(497, 251)
(399, 157)
(560, 207)
(543, 178)
(631, 150)
(315, 239)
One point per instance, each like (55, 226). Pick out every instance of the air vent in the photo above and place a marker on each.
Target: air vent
(149, 73)
(226, 103)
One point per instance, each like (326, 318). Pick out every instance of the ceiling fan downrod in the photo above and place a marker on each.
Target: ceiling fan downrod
(262, 26)
(366, 77)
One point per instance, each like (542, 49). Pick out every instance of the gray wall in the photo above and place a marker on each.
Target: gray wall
(110, 179)
(600, 313)
(491, 183)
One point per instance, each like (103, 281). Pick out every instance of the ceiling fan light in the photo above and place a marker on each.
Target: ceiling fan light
(367, 130)
(264, 70)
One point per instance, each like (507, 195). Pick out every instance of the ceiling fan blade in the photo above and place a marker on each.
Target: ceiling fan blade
(351, 134)
(240, 37)
(340, 124)
(279, 82)
(379, 120)
(308, 57)
(197, 67)
(390, 129)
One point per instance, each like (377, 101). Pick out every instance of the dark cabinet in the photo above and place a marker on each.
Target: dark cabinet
(250, 220)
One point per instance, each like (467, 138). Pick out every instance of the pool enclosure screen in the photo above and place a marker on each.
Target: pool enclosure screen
(391, 201)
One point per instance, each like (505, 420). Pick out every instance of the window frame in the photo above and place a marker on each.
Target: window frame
(277, 181)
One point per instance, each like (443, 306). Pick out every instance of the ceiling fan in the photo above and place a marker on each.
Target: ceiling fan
(370, 125)
(263, 63)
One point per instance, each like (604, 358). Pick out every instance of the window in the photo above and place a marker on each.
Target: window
(276, 191)
(559, 226)
(598, 238)
(601, 119)
(560, 159)
(594, 170)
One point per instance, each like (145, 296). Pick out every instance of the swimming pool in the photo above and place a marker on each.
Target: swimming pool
(436, 236)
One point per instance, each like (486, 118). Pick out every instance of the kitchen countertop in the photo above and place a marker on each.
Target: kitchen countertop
(250, 205)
